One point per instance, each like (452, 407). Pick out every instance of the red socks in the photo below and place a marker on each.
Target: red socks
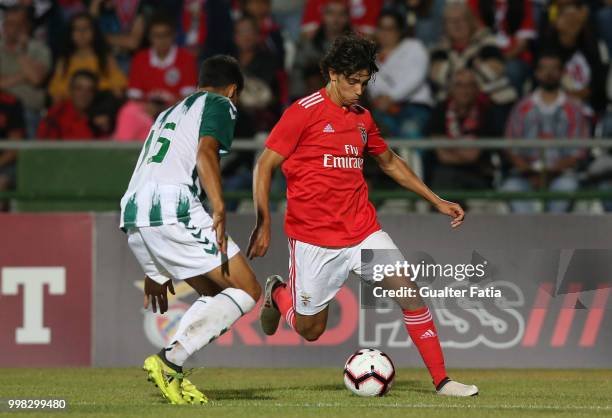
(419, 324)
(422, 331)
(282, 297)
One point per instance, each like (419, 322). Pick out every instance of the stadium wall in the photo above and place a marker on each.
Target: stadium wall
(70, 295)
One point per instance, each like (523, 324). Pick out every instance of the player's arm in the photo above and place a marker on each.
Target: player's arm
(262, 177)
(396, 168)
(209, 172)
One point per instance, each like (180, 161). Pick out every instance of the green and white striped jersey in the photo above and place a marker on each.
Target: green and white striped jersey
(165, 188)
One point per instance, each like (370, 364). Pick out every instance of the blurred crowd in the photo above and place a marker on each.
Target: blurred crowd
(524, 69)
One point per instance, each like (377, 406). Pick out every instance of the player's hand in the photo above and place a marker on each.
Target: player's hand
(453, 210)
(157, 294)
(219, 227)
(259, 242)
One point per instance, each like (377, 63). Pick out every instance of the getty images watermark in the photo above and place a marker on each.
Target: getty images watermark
(459, 278)
(408, 271)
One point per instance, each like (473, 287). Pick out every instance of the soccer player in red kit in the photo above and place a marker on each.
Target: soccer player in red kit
(320, 142)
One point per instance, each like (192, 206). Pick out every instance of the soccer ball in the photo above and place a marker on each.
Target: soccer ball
(369, 372)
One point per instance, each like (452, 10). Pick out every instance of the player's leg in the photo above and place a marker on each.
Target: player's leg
(166, 378)
(310, 327)
(226, 282)
(316, 274)
(417, 318)
(235, 292)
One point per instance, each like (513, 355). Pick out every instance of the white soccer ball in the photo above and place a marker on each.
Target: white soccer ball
(369, 372)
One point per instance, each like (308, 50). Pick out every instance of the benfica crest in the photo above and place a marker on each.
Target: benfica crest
(364, 134)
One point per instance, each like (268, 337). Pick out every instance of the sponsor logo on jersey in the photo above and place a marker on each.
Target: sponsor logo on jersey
(328, 129)
(333, 161)
(352, 159)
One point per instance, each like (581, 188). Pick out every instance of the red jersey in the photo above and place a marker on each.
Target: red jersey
(327, 196)
(172, 78)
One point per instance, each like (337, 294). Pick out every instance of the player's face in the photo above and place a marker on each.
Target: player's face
(350, 88)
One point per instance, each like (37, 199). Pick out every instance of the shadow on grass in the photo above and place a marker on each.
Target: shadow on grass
(253, 394)
(262, 393)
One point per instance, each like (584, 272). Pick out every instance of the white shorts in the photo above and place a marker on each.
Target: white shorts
(316, 273)
(178, 252)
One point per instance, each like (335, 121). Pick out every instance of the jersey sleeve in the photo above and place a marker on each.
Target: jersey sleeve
(288, 130)
(376, 145)
(218, 120)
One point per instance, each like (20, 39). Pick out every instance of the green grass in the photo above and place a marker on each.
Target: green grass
(314, 393)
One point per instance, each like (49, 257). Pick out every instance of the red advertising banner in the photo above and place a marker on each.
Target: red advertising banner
(45, 289)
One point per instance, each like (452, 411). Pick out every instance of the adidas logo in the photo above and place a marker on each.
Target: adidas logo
(428, 334)
(328, 129)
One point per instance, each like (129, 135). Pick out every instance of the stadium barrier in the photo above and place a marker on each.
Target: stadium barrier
(92, 175)
(71, 294)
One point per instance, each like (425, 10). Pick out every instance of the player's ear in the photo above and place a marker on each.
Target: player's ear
(333, 75)
(232, 92)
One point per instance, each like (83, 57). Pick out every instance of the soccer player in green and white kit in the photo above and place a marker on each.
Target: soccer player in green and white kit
(172, 235)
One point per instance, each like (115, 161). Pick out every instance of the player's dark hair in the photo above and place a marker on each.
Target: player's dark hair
(220, 71)
(348, 55)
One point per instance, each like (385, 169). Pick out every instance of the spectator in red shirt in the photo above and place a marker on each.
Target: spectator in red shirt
(69, 120)
(165, 68)
(363, 13)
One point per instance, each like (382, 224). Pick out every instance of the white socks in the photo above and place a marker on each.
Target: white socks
(207, 319)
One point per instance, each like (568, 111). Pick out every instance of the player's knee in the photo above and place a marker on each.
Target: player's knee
(253, 288)
(255, 291)
(311, 332)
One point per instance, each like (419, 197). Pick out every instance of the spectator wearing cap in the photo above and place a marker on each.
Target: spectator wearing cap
(165, 69)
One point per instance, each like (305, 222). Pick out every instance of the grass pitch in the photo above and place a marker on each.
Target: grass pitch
(318, 393)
